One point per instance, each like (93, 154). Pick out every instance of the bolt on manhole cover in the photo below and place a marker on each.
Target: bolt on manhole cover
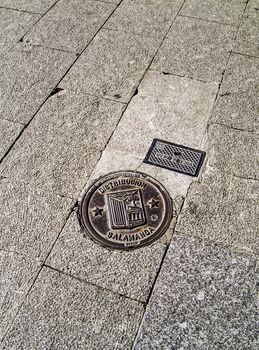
(126, 210)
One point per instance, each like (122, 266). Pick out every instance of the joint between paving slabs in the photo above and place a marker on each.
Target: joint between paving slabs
(160, 265)
(182, 76)
(41, 16)
(56, 86)
(244, 54)
(13, 9)
(40, 269)
(19, 308)
(230, 52)
(254, 131)
(94, 285)
(209, 20)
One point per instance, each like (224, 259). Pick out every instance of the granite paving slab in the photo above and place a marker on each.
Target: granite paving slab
(233, 151)
(223, 209)
(145, 17)
(63, 143)
(70, 25)
(228, 12)
(237, 105)
(38, 6)
(247, 37)
(241, 76)
(129, 273)
(240, 111)
(28, 74)
(167, 107)
(112, 65)
(17, 273)
(30, 218)
(205, 298)
(13, 25)
(65, 313)
(9, 131)
(196, 49)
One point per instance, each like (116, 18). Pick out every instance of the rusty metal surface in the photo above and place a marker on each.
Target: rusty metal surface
(126, 210)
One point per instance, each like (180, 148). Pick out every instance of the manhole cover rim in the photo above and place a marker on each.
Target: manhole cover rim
(88, 228)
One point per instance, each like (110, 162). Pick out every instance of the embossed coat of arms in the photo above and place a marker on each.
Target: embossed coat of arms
(126, 209)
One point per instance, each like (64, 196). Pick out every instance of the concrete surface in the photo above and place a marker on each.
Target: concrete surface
(85, 86)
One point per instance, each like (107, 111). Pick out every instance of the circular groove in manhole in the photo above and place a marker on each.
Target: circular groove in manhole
(126, 210)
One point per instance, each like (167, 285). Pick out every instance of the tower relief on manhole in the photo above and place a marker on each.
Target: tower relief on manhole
(126, 210)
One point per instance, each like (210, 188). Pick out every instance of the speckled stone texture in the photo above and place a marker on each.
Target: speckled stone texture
(196, 49)
(112, 65)
(38, 6)
(167, 107)
(228, 12)
(17, 274)
(239, 111)
(30, 218)
(13, 25)
(247, 38)
(233, 151)
(63, 143)
(170, 108)
(222, 209)
(205, 298)
(64, 313)
(145, 17)
(237, 105)
(70, 25)
(241, 76)
(128, 273)
(28, 74)
(8, 133)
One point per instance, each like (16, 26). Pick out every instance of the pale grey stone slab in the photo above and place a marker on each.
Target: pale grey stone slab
(13, 25)
(28, 74)
(112, 65)
(39, 6)
(30, 218)
(129, 273)
(65, 313)
(223, 209)
(241, 76)
(239, 111)
(63, 143)
(70, 25)
(8, 133)
(205, 298)
(17, 274)
(229, 12)
(166, 107)
(248, 34)
(237, 104)
(195, 48)
(233, 151)
(145, 17)
(114, 160)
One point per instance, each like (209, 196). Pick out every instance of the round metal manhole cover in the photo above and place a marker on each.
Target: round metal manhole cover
(126, 210)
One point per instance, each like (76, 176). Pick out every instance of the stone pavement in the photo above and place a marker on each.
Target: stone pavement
(85, 86)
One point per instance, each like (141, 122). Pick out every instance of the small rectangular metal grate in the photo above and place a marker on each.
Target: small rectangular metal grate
(175, 157)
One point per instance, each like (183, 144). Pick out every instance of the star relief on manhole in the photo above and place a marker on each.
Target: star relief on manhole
(126, 210)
